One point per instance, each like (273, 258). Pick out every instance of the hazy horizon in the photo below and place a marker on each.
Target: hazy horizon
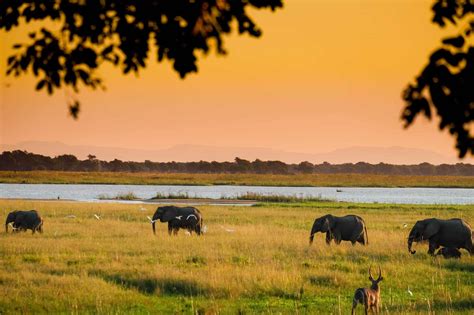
(189, 153)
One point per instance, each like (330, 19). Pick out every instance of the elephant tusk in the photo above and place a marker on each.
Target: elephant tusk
(13, 227)
(151, 221)
(191, 215)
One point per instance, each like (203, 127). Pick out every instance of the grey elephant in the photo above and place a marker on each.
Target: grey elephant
(24, 220)
(455, 233)
(348, 228)
(188, 218)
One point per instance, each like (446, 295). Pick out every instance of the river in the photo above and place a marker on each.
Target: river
(348, 194)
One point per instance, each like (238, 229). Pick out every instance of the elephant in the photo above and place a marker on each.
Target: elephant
(348, 228)
(449, 252)
(455, 233)
(24, 220)
(188, 218)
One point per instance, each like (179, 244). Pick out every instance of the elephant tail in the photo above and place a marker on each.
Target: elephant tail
(39, 228)
(366, 235)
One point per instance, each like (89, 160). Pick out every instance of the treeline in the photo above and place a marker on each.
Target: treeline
(25, 161)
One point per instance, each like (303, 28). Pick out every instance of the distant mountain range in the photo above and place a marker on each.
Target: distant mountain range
(188, 153)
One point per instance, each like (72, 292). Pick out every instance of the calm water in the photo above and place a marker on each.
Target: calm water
(353, 194)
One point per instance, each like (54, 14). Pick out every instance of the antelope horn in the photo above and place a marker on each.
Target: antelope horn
(370, 273)
(380, 274)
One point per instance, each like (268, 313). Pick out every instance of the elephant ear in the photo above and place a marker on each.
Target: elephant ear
(329, 223)
(169, 214)
(431, 228)
(332, 222)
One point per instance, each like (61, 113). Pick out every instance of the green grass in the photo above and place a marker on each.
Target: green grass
(279, 198)
(252, 260)
(172, 196)
(121, 196)
(332, 180)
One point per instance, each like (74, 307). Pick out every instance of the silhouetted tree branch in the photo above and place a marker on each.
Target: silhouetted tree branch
(446, 84)
(120, 32)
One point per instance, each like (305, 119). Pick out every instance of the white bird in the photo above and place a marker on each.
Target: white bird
(97, 216)
(71, 216)
(204, 229)
(227, 230)
(405, 225)
(409, 291)
(151, 221)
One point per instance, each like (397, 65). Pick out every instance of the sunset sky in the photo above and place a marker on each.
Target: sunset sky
(326, 74)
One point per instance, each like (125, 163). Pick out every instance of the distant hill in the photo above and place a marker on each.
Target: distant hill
(187, 153)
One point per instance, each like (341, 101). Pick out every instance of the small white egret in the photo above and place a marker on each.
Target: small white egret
(227, 230)
(97, 216)
(409, 291)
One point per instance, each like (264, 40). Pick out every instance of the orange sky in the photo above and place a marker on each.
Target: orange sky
(326, 74)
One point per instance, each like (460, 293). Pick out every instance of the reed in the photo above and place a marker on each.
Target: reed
(310, 180)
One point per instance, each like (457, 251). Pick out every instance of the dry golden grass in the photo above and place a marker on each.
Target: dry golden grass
(334, 180)
(252, 260)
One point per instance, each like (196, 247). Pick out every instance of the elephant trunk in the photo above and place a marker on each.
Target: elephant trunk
(199, 226)
(410, 242)
(311, 236)
(153, 226)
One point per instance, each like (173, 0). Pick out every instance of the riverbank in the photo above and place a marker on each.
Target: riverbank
(298, 180)
(104, 258)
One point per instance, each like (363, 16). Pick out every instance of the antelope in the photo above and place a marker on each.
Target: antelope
(369, 297)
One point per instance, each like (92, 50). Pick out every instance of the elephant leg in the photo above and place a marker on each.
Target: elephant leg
(361, 238)
(337, 237)
(470, 247)
(175, 231)
(433, 247)
(328, 238)
(170, 229)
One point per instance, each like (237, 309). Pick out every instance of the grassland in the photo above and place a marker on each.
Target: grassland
(252, 260)
(329, 180)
